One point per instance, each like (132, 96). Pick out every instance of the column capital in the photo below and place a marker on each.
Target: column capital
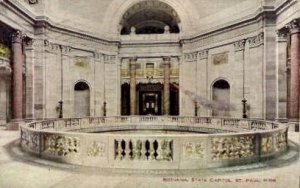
(294, 26)
(17, 37)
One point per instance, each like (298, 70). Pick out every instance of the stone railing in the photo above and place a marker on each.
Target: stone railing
(172, 37)
(235, 141)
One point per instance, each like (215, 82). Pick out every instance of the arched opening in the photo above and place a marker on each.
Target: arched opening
(81, 100)
(221, 98)
(150, 17)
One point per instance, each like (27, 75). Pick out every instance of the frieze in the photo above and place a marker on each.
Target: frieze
(97, 149)
(227, 148)
(193, 150)
(256, 41)
(60, 145)
(110, 59)
(30, 140)
(51, 47)
(190, 56)
(220, 37)
(98, 56)
(266, 144)
(281, 141)
(239, 45)
(203, 54)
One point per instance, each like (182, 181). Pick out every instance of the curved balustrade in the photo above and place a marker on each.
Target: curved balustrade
(235, 141)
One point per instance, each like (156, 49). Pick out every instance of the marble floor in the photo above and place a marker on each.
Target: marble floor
(19, 170)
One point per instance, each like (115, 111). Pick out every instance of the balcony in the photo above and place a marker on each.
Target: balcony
(150, 38)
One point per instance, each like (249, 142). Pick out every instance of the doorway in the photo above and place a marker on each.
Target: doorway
(81, 100)
(221, 98)
(150, 103)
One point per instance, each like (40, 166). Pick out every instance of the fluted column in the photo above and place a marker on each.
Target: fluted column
(133, 86)
(294, 28)
(17, 76)
(167, 64)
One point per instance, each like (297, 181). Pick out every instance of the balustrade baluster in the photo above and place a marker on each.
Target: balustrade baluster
(119, 149)
(151, 150)
(138, 151)
(143, 150)
(127, 150)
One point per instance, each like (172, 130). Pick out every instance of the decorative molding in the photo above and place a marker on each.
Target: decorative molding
(220, 58)
(239, 45)
(256, 40)
(32, 2)
(51, 47)
(98, 56)
(203, 54)
(190, 56)
(110, 59)
(294, 26)
(65, 49)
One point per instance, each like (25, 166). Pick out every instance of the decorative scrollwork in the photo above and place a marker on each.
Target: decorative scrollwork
(61, 145)
(193, 150)
(232, 147)
(266, 144)
(96, 149)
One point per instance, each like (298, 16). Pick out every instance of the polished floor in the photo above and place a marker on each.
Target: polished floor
(19, 170)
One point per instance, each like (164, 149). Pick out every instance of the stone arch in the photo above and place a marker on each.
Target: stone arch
(118, 8)
(220, 98)
(81, 99)
(150, 17)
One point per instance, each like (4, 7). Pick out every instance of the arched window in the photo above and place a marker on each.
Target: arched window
(150, 17)
(81, 100)
(221, 98)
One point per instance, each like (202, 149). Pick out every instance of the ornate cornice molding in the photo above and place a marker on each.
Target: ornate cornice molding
(203, 54)
(256, 40)
(98, 56)
(51, 47)
(191, 56)
(110, 59)
(239, 45)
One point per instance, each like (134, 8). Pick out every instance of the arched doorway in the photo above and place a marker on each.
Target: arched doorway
(81, 100)
(221, 98)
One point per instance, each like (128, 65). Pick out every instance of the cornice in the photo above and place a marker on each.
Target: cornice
(39, 21)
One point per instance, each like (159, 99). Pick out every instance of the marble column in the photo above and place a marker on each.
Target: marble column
(294, 28)
(133, 86)
(167, 64)
(17, 76)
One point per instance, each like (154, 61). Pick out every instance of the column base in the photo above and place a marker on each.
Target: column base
(14, 124)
